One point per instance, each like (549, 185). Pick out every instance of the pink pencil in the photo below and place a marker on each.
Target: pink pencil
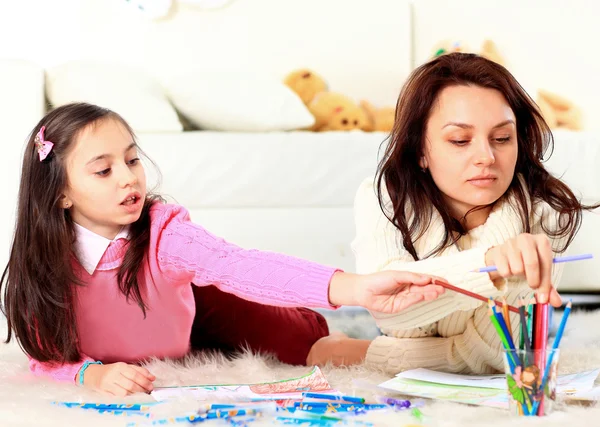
(541, 341)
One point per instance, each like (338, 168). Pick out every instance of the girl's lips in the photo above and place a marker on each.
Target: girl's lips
(132, 206)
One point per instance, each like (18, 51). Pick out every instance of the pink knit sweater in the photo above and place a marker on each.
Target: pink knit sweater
(112, 329)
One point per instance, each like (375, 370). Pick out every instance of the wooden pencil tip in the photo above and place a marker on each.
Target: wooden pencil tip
(570, 303)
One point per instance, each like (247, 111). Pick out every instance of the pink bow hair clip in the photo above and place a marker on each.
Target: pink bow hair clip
(43, 147)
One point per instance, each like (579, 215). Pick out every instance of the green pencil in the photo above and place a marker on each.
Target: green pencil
(500, 332)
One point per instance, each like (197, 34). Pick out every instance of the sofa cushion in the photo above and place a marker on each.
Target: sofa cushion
(22, 94)
(239, 102)
(125, 90)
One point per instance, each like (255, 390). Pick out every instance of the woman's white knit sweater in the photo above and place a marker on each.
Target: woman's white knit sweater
(452, 333)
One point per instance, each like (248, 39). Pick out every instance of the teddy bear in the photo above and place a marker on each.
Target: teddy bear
(379, 119)
(447, 46)
(488, 49)
(559, 111)
(306, 83)
(336, 112)
(331, 110)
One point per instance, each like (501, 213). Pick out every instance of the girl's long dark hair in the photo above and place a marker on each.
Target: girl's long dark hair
(39, 280)
(413, 194)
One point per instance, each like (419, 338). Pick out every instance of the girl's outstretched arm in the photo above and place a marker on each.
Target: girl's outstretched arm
(186, 253)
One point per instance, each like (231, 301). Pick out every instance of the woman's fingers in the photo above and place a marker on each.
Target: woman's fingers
(555, 299)
(530, 260)
(545, 258)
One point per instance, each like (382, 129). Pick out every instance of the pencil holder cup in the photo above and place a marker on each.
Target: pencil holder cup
(531, 381)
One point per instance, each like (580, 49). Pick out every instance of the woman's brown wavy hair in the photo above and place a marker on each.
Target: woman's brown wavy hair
(414, 195)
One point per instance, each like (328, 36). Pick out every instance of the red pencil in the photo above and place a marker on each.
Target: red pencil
(471, 294)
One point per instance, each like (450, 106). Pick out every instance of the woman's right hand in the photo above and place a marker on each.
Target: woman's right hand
(119, 379)
(529, 256)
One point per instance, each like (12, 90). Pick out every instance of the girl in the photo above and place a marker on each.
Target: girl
(100, 271)
(461, 186)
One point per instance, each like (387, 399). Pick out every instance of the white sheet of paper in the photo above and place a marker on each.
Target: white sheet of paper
(573, 383)
(241, 393)
(291, 388)
(592, 395)
(485, 381)
(577, 383)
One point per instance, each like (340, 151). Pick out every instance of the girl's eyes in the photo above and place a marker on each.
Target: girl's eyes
(106, 171)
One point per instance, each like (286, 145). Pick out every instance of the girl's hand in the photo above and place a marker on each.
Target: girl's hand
(384, 292)
(529, 256)
(119, 379)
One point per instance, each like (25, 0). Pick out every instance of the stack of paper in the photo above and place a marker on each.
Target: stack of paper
(485, 390)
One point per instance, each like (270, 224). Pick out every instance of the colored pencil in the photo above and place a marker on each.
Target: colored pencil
(108, 406)
(540, 342)
(326, 396)
(530, 311)
(523, 322)
(555, 344)
(506, 315)
(556, 260)
(503, 339)
(469, 293)
(525, 333)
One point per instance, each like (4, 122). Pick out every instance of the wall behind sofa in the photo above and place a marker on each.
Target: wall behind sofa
(547, 44)
(362, 48)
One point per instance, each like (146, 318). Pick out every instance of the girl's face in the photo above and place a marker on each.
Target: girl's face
(106, 181)
(471, 149)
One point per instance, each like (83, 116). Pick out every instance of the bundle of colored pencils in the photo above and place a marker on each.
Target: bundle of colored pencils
(531, 366)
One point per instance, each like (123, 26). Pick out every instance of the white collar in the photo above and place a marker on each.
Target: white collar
(90, 247)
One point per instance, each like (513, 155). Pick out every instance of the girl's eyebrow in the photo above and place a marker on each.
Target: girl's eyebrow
(104, 156)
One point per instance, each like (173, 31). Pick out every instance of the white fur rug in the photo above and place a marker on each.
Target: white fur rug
(25, 400)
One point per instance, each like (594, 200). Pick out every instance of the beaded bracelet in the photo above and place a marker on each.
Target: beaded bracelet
(84, 367)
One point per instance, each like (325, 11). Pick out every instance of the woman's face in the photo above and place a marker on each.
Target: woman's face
(470, 147)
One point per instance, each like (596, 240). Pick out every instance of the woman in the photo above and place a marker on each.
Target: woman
(461, 186)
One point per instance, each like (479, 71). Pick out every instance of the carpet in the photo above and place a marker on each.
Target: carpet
(25, 399)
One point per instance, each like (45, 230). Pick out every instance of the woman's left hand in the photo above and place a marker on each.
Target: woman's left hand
(384, 292)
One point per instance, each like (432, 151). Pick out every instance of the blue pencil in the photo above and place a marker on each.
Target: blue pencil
(351, 399)
(338, 407)
(555, 344)
(109, 406)
(556, 260)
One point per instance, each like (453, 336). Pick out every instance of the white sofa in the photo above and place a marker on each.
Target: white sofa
(285, 191)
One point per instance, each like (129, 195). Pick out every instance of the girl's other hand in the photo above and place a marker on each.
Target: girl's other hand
(119, 379)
